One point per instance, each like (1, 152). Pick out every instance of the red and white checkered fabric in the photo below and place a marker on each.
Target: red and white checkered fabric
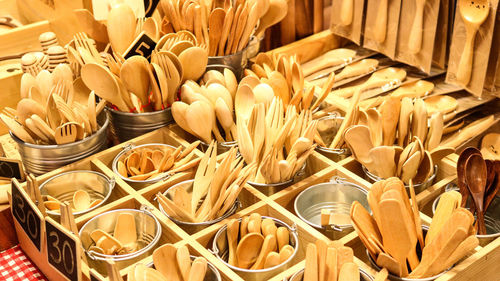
(15, 266)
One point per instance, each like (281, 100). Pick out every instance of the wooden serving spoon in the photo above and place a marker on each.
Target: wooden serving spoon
(121, 27)
(357, 68)
(328, 59)
(135, 77)
(461, 172)
(99, 79)
(415, 39)
(249, 249)
(476, 174)
(380, 27)
(473, 13)
(415, 89)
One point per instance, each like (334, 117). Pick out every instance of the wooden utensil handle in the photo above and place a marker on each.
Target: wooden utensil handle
(415, 40)
(346, 12)
(381, 21)
(464, 70)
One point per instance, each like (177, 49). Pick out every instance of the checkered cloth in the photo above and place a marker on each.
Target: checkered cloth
(15, 266)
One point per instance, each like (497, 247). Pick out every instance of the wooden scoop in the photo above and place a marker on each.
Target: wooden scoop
(473, 13)
(81, 200)
(232, 238)
(383, 160)
(328, 59)
(125, 229)
(249, 249)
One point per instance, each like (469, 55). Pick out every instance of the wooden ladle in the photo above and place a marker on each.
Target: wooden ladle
(473, 13)
(476, 174)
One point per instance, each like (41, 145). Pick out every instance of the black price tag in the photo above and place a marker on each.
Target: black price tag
(27, 214)
(150, 7)
(11, 168)
(143, 45)
(63, 250)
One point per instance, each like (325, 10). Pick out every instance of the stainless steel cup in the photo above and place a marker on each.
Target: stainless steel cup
(148, 230)
(128, 125)
(191, 227)
(221, 250)
(41, 159)
(336, 195)
(63, 186)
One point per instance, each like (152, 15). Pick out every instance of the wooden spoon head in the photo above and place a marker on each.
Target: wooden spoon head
(474, 11)
(476, 173)
(248, 249)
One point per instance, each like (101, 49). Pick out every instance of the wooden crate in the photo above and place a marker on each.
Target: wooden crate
(279, 205)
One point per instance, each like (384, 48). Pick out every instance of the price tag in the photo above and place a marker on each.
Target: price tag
(27, 214)
(11, 168)
(150, 7)
(143, 45)
(63, 250)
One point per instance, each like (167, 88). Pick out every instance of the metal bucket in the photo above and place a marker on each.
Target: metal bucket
(491, 218)
(300, 275)
(327, 128)
(212, 273)
(236, 62)
(221, 251)
(338, 196)
(269, 189)
(130, 125)
(41, 159)
(63, 186)
(148, 230)
(191, 227)
(418, 187)
(127, 150)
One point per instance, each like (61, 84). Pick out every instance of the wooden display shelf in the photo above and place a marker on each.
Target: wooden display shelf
(279, 205)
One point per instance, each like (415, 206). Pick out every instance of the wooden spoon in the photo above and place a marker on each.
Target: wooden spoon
(135, 77)
(357, 68)
(276, 12)
(249, 249)
(99, 79)
(386, 261)
(380, 26)
(473, 14)
(121, 27)
(179, 113)
(243, 102)
(349, 271)
(476, 174)
(415, 89)
(125, 229)
(215, 24)
(328, 59)
(415, 39)
(383, 160)
(358, 139)
(81, 200)
(461, 172)
(193, 69)
(200, 117)
(184, 261)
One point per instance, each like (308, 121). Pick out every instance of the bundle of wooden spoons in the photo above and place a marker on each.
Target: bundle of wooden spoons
(285, 76)
(479, 180)
(81, 202)
(330, 261)
(278, 141)
(394, 231)
(122, 241)
(208, 106)
(411, 162)
(170, 264)
(49, 112)
(214, 190)
(255, 242)
(145, 163)
(224, 27)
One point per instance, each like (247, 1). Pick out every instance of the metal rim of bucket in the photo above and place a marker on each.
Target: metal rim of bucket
(280, 184)
(228, 213)
(394, 277)
(292, 231)
(340, 226)
(417, 186)
(132, 114)
(362, 272)
(110, 181)
(97, 256)
(129, 148)
(453, 187)
(67, 145)
(209, 264)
